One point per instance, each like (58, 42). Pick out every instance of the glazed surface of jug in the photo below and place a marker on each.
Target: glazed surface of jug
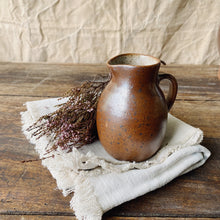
(132, 110)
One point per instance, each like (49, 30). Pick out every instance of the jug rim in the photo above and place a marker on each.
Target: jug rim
(158, 61)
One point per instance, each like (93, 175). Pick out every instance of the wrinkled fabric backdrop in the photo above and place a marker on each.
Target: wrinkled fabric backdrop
(92, 31)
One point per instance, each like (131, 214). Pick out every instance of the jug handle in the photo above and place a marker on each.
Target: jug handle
(173, 87)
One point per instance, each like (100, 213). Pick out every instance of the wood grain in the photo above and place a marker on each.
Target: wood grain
(40, 217)
(52, 80)
(27, 191)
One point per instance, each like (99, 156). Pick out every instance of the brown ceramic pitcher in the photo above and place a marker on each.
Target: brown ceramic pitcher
(132, 110)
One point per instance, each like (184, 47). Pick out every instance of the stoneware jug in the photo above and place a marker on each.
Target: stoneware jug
(132, 110)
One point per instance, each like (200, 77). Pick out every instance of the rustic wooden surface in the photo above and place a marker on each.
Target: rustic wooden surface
(40, 217)
(27, 190)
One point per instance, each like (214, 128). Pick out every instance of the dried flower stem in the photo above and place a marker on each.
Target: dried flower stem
(74, 123)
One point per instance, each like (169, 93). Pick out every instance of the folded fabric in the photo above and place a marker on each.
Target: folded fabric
(99, 181)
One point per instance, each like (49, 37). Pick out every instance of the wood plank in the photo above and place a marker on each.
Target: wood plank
(26, 187)
(44, 80)
(52, 80)
(30, 188)
(208, 119)
(39, 217)
(199, 114)
(195, 82)
(35, 217)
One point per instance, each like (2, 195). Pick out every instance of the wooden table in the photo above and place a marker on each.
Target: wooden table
(28, 191)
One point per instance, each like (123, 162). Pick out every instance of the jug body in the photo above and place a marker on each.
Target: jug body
(132, 110)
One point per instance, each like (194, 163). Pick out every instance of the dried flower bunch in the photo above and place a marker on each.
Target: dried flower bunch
(74, 123)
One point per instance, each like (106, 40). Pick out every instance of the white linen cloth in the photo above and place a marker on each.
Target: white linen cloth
(99, 181)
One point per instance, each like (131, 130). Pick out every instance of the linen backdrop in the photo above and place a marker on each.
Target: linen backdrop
(92, 31)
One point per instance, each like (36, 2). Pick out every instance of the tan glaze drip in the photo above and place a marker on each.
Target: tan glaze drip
(132, 110)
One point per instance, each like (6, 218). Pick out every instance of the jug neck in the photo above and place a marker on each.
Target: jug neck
(134, 73)
(134, 66)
